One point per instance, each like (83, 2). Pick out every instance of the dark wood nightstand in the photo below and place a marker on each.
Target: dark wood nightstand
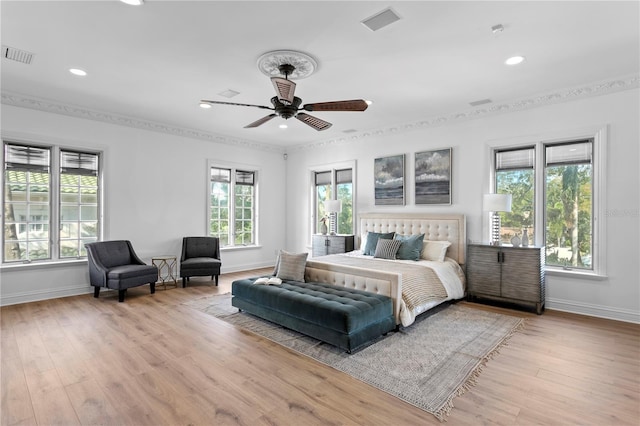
(331, 244)
(509, 274)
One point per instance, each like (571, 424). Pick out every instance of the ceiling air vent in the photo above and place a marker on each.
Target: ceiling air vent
(17, 54)
(381, 19)
(480, 102)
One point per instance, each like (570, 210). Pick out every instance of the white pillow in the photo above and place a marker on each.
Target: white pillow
(363, 241)
(434, 250)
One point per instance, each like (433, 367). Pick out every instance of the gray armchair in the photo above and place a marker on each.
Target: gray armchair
(200, 257)
(114, 264)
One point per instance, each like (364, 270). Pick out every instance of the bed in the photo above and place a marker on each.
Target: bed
(414, 286)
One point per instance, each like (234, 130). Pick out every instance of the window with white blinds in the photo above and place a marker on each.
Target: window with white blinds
(553, 188)
(51, 202)
(232, 206)
(334, 184)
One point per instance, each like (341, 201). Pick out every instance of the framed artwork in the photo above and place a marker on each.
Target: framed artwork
(389, 180)
(433, 177)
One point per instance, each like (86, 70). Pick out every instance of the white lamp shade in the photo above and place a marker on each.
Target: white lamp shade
(332, 206)
(497, 202)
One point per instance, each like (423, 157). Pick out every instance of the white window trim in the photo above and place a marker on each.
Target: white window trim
(599, 134)
(55, 145)
(256, 218)
(311, 171)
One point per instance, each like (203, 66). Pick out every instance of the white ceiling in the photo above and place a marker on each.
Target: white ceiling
(155, 62)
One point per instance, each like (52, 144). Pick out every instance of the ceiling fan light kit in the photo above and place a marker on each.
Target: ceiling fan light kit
(290, 64)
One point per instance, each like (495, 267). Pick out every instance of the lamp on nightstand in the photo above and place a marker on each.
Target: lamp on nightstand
(332, 207)
(496, 203)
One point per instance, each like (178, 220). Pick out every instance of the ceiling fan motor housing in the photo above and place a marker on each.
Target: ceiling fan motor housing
(286, 111)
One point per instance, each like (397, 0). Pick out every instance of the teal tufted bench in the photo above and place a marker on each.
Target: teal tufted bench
(346, 318)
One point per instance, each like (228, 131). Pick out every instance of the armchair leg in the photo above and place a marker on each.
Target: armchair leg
(153, 287)
(216, 278)
(184, 282)
(121, 294)
(96, 291)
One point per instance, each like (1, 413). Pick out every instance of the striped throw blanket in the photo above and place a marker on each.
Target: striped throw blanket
(420, 284)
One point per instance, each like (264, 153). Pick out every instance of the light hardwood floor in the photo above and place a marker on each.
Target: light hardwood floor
(152, 360)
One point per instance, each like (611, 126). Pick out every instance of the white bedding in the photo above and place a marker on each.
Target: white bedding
(449, 272)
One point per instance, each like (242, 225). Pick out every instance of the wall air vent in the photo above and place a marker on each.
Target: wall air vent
(17, 55)
(381, 19)
(480, 102)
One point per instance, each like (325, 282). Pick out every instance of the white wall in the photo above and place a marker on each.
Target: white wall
(156, 184)
(155, 192)
(616, 296)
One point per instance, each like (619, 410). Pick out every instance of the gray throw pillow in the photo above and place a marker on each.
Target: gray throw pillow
(291, 266)
(387, 249)
(372, 241)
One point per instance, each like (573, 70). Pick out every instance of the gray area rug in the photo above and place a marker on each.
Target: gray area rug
(426, 364)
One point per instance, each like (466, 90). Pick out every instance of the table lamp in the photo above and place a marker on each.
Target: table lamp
(496, 203)
(332, 207)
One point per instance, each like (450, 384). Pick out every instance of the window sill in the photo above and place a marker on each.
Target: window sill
(42, 265)
(574, 273)
(240, 248)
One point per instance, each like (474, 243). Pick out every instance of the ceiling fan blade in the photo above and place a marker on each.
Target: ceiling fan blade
(352, 105)
(204, 101)
(314, 122)
(261, 121)
(284, 89)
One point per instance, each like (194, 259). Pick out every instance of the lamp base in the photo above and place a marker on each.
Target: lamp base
(495, 229)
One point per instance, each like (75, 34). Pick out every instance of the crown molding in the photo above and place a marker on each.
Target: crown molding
(559, 96)
(536, 101)
(23, 101)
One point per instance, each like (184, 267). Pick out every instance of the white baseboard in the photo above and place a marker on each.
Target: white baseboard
(599, 311)
(44, 294)
(37, 295)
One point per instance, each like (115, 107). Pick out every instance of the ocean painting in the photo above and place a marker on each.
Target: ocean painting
(433, 177)
(389, 181)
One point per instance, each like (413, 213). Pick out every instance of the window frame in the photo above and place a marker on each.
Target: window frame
(55, 150)
(234, 168)
(313, 206)
(599, 137)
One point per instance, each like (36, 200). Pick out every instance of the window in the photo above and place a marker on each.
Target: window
(44, 186)
(569, 204)
(232, 195)
(334, 184)
(554, 196)
(515, 175)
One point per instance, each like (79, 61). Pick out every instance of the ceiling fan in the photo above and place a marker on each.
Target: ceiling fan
(286, 105)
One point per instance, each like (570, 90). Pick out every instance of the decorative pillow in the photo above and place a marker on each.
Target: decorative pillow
(411, 247)
(387, 249)
(372, 241)
(435, 250)
(291, 266)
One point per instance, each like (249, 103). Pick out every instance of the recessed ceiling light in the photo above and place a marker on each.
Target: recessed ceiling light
(514, 60)
(77, 71)
(133, 2)
(369, 102)
(283, 126)
(205, 105)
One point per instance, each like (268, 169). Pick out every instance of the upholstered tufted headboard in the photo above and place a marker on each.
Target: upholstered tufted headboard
(439, 227)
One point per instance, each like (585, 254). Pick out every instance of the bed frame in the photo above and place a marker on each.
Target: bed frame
(438, 227)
